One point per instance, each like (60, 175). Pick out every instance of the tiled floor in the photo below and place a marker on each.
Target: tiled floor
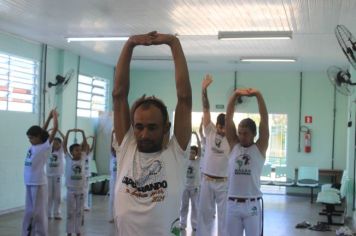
(282, 213)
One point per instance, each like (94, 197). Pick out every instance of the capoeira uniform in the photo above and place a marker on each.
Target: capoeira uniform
(148, 188)
(35, 221)
(87, 161)
(190, 192)
(113, 172)
(213, 183)
(244, 211)
(55, 170)
(75, 180)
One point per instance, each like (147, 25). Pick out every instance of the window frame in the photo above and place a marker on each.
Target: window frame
(90, 103)
(19, 82)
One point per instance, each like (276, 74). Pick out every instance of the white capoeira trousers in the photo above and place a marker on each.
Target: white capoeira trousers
(54, 195)
(112, 195)
(211, 192)
(86, 193)
(242, 216)
(192, 195)
(75, 212)
(35, 221)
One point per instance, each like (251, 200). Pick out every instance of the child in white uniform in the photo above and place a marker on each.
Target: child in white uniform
(191, 190)
(35, 217)
(75, 181)
(55, 170)
(244, 211)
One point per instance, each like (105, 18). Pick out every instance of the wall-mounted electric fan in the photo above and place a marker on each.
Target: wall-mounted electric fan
(347, 43)
(64, 80)
(341, 79)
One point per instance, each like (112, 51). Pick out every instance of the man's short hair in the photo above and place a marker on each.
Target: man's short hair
(220, 120)
(146, 102)
(250, 124)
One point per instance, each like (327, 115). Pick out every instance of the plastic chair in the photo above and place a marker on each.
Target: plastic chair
(331, 197)
(282, 177)
(266, 174)
(308, 176)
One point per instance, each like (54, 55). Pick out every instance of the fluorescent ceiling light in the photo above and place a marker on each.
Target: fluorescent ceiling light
(233, 35)
(86, 39)
(272, 59)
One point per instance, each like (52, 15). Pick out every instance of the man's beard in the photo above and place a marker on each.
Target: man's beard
(148, 146)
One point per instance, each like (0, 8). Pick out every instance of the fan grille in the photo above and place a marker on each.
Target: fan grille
(341, 80)
(347, 43)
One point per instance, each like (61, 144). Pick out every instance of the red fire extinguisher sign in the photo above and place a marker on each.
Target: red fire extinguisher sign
(308, 119)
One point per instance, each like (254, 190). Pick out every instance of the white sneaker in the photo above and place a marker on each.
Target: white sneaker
(344, 231)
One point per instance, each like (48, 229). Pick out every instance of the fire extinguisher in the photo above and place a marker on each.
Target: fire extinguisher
(307, 141)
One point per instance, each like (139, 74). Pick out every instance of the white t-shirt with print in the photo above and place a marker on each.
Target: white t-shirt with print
(148, 188)
(35, 161)
(55, 163)
(193, 173)
(75, 174)
(217, 150)
(245, 168)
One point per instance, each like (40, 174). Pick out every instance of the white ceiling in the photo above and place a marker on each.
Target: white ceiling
(197, 21)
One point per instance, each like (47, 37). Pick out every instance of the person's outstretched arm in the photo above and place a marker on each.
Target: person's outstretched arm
(183, 113)
(201, 133)
(84, 145)
(92, 146)
(263, 137)
(206, 106)
(52, 115)
(122, 84)
(65, 141)
(231, 132)
(61, 134)
(112, 142)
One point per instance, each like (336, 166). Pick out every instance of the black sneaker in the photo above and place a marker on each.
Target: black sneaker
(303, 225)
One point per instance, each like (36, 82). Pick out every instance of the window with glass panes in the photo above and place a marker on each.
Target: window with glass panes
(92, 96)
(18, 83)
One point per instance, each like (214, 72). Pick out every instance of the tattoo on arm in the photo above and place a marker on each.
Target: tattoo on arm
(206, 105)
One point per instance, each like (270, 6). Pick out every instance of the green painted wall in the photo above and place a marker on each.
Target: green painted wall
(14, 144)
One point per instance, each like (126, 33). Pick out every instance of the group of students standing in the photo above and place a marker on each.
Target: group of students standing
(153, 174)
(47, 160)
